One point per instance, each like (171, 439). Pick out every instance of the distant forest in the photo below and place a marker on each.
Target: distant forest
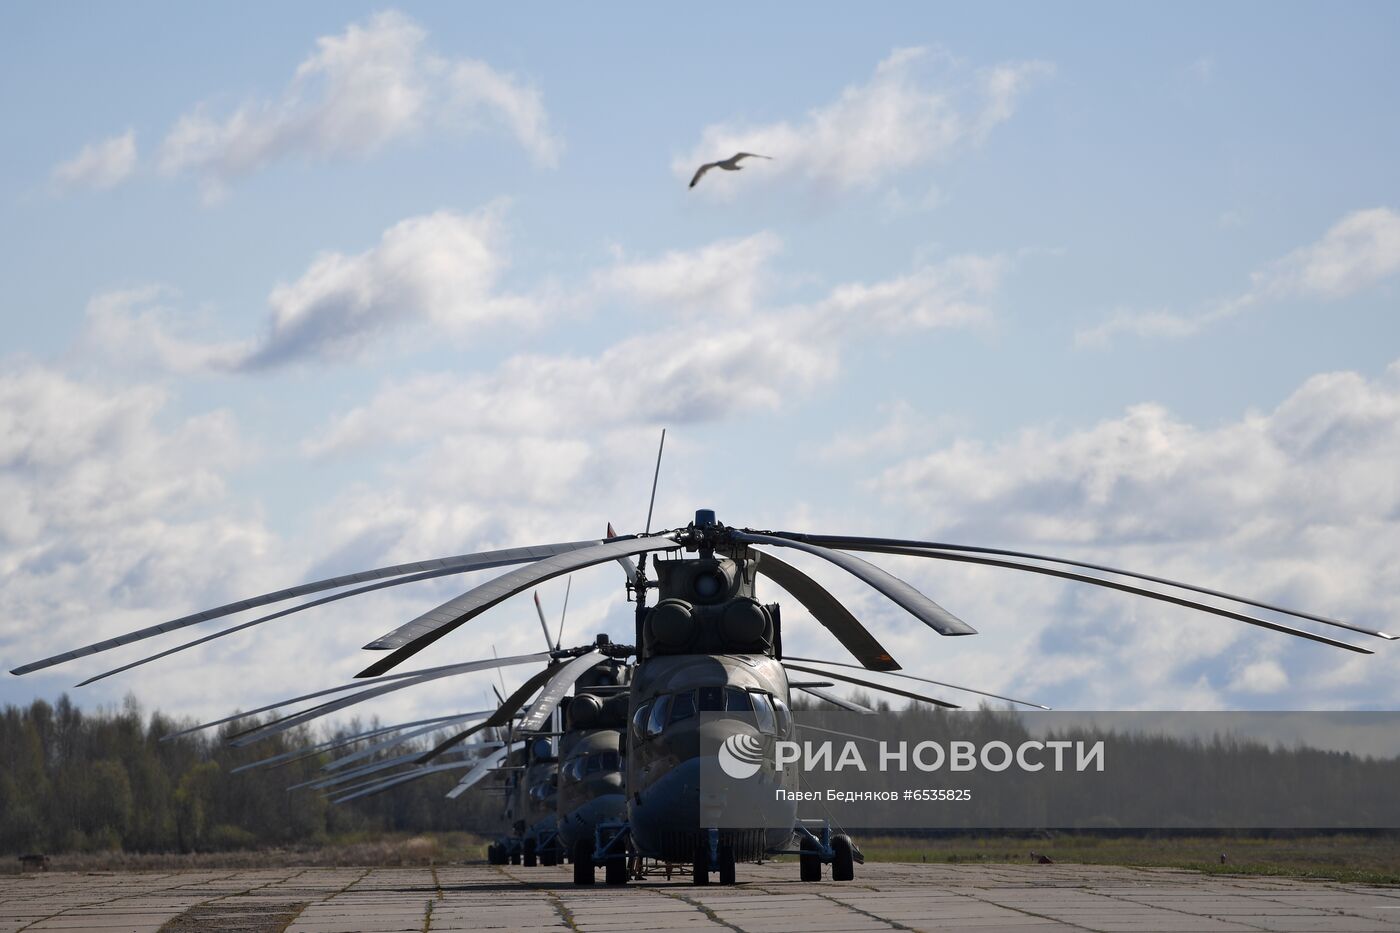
(75, 781)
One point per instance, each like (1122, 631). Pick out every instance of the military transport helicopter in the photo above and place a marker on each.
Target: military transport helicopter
(707, 646)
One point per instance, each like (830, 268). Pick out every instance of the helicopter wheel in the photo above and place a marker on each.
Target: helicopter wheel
(615, 869)
(810, 861)
(583, 862)
(530, 853)
(726, 864)
(515, 858)
(700, 871)
(843, 861)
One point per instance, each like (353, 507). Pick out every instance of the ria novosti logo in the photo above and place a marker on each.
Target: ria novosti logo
(741, 756)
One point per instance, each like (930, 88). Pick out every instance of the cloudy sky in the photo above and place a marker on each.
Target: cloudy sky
(301, 291)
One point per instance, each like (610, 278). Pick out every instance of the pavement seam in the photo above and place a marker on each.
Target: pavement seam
(562, 910)
(865, 913)
(214, 900)
(1028, 913)
(704, 909)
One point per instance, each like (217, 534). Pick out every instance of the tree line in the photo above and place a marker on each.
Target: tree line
(114, 779)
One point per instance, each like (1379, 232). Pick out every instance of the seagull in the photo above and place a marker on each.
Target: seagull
(730, 164)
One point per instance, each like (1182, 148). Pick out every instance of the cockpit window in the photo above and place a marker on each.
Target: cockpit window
(784, 717)
(659, 709)
(736, 700)
(711, 699)
(763, 712)
(683, 706)
(639, 719)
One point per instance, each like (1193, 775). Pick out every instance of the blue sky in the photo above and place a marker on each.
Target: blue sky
(332, 286)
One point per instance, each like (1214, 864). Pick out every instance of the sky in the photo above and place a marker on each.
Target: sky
(299, 291)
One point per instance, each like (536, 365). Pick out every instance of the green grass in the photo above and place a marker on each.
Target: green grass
(1359, 859)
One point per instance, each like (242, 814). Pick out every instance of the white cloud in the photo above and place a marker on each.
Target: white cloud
(724, 277)
(1357, 252)
(440, 269)
(694, 373)
(1299, 505)
(358, 91)
(891, 123)
(99, 165)
(1260, 677)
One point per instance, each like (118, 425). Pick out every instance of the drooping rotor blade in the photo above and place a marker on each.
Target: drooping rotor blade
(267, 730)
(479, 561)
(403, 778)
(407, 640)
(834, 700)
(502, 716)
(936, 683)
(917, 604)
(827, 610)
(393, 740)
(1126, 588)
(804, 684)
(342, 777)
(466, 667)
(482, 768)
(308, 750)
(398, 581)
(564, 613)
(629, 566)
(883, 688)
(848, 543)
(554, 690)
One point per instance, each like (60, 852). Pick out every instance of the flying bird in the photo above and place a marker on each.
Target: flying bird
(730, 164)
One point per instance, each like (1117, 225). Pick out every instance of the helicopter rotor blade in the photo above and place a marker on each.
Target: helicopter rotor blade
(411, 638)
(629, 566)
(829, 611)
(399, 581)
(936, 683)
(360, 684)
(484, 766)
(338, 742)
(835, 700)
(917, 604)
(400, 737)
(554, 690)
(544, 626)
(344, 777)
(1123, 587)
(564, 613)
(401, 778)
(502, 716)
(848, 543)
(481, 560)
(884, 688)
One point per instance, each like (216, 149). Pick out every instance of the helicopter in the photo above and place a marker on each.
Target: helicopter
(710, 665)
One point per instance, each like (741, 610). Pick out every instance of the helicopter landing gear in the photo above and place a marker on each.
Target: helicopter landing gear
(583, 862)
(815, 850)
(700, 870)
(810, 861)
(726, 864)
(615, 869)
(842, 859)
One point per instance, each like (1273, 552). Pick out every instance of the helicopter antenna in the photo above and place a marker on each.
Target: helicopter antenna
(639, 584)
(568, 585)
(501, 676)
(654, 477)
(544, 626)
